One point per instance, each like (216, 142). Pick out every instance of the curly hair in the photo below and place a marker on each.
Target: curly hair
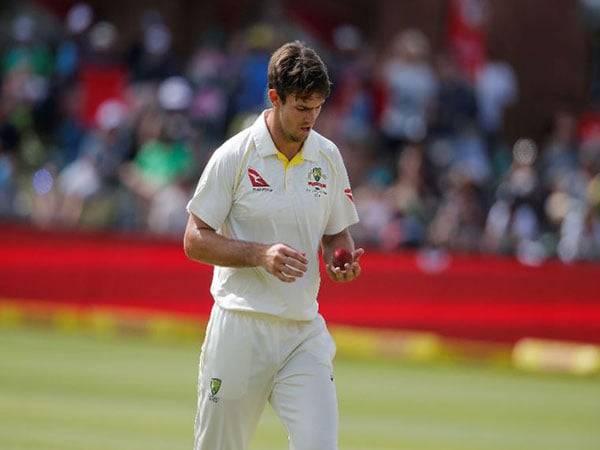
(296, 69)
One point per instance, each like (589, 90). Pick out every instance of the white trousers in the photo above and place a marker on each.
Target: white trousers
(248, 359)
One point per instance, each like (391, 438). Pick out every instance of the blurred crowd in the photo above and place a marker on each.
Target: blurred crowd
(100, 135)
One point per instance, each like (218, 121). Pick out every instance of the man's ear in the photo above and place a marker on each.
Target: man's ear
(274, 98)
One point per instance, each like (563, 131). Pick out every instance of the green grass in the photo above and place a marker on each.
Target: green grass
(72, 392)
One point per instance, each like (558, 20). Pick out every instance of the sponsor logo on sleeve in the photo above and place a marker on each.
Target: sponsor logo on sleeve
(348, 193)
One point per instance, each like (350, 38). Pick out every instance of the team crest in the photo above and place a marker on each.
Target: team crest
(316, 182)
(316, 173)
(215, 385)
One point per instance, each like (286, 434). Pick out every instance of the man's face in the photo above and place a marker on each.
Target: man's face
(297, 115)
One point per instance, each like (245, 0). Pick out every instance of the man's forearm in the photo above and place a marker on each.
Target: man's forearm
(207, 246)
(202, 243)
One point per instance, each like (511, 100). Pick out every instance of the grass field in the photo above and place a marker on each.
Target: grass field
(72, 392)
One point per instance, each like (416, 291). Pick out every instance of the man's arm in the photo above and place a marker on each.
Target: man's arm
(202, 243)
(341, 240)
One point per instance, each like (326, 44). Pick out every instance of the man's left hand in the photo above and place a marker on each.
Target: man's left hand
(349, 272)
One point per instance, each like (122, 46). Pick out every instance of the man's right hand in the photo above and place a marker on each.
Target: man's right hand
(284, 262)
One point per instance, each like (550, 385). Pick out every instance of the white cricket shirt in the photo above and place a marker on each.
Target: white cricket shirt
(249, 191)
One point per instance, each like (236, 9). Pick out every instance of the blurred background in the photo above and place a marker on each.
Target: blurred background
(470, 126)
(471, 133)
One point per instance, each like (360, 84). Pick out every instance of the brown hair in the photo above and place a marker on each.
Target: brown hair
(296, 69)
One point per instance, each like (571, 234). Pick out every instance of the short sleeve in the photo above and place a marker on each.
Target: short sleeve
(213, 197)
(343, 211)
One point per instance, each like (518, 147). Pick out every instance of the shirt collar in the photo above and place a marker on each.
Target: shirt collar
(266, 147)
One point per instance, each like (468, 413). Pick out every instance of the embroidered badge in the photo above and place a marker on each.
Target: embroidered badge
(316, 182)
(215, 385)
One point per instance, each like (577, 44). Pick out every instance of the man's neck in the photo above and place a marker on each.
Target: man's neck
(282, 143)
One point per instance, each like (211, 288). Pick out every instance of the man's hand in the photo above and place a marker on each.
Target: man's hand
(284, 262)
(349, 272)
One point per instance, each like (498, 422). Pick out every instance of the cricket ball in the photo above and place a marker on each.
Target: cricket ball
(341, 257)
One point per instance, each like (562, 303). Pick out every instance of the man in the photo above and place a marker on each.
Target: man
(267, 200)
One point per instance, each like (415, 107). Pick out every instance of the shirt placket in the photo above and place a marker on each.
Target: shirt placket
(294, 194)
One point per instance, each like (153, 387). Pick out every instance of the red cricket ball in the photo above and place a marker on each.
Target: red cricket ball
(341, 257)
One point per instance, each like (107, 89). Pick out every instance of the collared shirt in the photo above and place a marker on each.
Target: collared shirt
(249, 191)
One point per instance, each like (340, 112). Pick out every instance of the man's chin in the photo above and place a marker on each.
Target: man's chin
(295, 138)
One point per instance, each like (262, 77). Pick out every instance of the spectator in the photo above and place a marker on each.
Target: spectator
(249, 95)
(95, 171)
(9, 148)
(151, 60)
(160, 173)
(209, 73)
(455, 106)
(513, 220)
(560, 153)
(352, 108)
(580, 229)
(74, 46)
(460, 217)
(411, 86)
(496, 89)
(410, 201)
